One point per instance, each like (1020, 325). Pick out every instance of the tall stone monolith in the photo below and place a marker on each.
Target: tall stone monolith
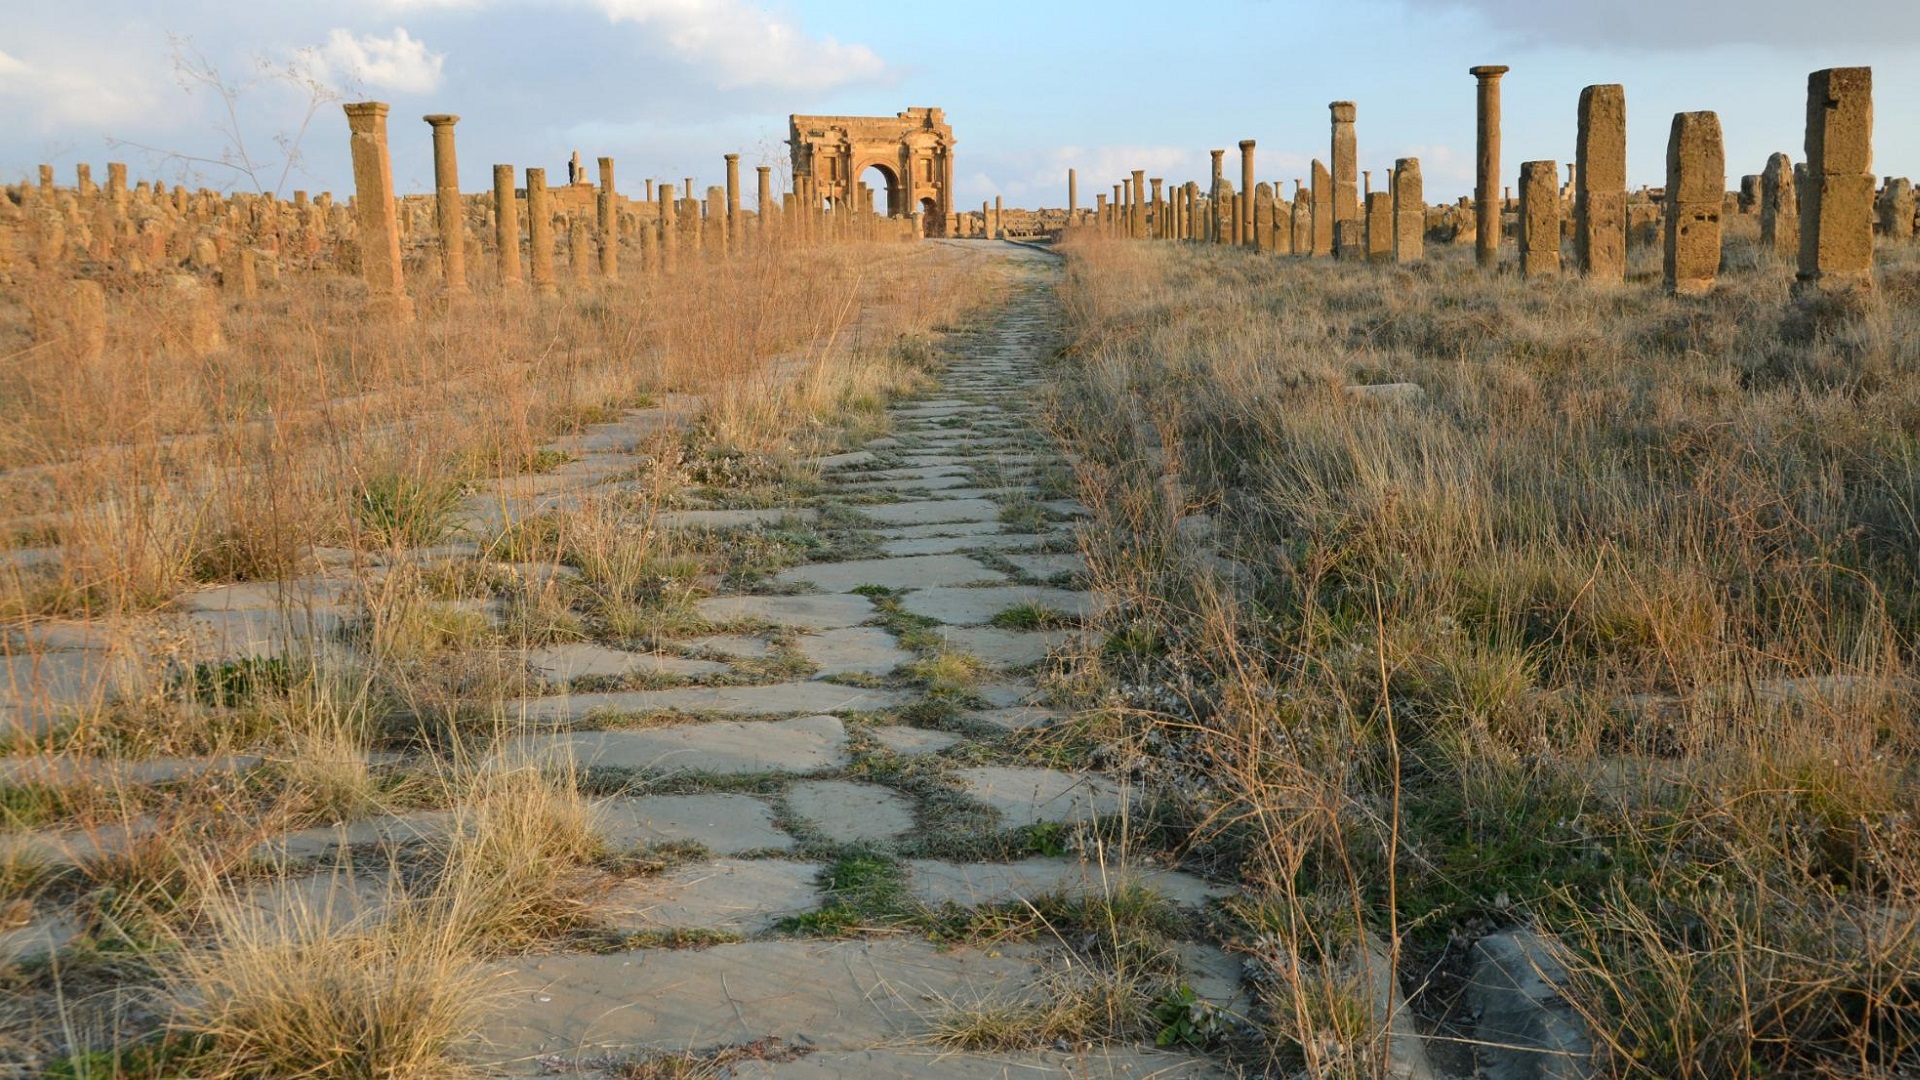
(1896, 209)
(1696, 196)
(1379, 227)
(1159, 209)
(1322, 208)
(607, 221)
(1346, 163)
(1539, 219)
(1409, 212)
(540, 233)
(1486, 187)
(1600, 184)
(1779, 208)
(1247, 186)
(733, 200)
(506, 227)
(669, 226)
(378, 222)
(446, 204)
(1836, 201)
(1073, 194)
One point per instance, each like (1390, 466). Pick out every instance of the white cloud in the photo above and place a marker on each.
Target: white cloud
(64, 92)
(13, 66)
(747, 45)
(397, 62)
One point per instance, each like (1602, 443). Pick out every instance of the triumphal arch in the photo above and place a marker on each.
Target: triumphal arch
(913, 150)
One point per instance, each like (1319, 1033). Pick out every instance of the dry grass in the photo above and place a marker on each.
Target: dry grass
(1614, 632)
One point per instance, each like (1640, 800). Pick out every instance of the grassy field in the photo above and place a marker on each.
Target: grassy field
(1607, 628)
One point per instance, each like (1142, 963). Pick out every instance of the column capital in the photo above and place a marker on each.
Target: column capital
(441, 119)
(365, 110)
(1488, 71)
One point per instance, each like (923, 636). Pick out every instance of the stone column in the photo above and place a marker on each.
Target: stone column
(579, 239)
(1246, 194)
(1137, 221)
(1100, 212)
(1160, 210)
(540, 233)
(1322, 210)
(1539, 219)
(607, 221)
(1409, 212)
(1345, 164)
(999, 225)
(1836, 201)
(1486, 187)
(117, 182)
(763, 199)
(1302, 220)
(1073, 194)
(506, 227)
(378, 223)
(1696, 192)
(669, 227)
(1600, 184)
(1224, 227)
(1261, 212)
(733, 200)
(1379, 227)
(446, 204)
(1219, 157)
(1779, 208)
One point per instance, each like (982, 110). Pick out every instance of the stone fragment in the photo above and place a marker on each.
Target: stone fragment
(1321, 206)
(1379, 227)
(854, 650)
(1696, 190)
(1600, 184)
(775, 699)
(1836, 201)
(977, 607)
(1526, 1030)
(1032, 796)
(1539, 219)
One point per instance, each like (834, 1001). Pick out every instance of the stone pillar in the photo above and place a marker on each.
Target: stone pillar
(379, 224)
(1073, 194)
(1247, 186)
(506, 227)
(999, 226)
(1160, 210)
(1896, 209)
(1379, 227)
(733, 200)
(1779, 208)
(1409, 212)
(117, 182)
(1137, 211)
(763, 199)
(1539, 219)
(1224, 226)
(669, 227)
(1302, 219)
(1486, 187)
(1600, 184)
(1836, 200)
(1322, 208)
(579, 239)
(446, 204)
(540, 233)
(1100, 212)
(1346, 154)
(1696, 193)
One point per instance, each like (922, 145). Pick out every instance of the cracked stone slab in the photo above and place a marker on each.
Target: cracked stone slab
(951, 528)
(727, 519)
(382, 830)
(914, 572)
(932, 512)
(926, 483)
(724, 824)
(853, 459)
(976, 607)
(852, 813)
(738, 896)
(973, 884)
(1018, 717)
(1050, 565)
(855, 650)
(1005, 648)
(828, 612)
(837, 995)
(770, 700)
(65, 770)
(585, 659)
(935, 1063)
(943, 545)
(1033, 796)
(912, 741)
(802, 745)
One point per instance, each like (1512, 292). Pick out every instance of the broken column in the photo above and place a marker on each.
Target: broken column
(1896, 209)
(1539, 219)
(1409, 212)
(506, 226)
(1696, 192)
(1159, 209)
(1346, 174)
(1322, 208)
(669, 227)
(1379, 226)
(540, 233)
(1600, 184)
(579, 240)
(1137, 222)
(1073, 195)
(733, 200)
(1836, 201)
(1302, 220)
(1486, 188)
(607, 222)
(1779, 208)
(446, 195)
(1247, 185)
(373, 203)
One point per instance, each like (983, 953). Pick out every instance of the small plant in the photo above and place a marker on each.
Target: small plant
(1029, 617)
(398, 511)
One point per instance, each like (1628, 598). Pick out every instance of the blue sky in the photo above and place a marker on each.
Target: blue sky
(668, 86)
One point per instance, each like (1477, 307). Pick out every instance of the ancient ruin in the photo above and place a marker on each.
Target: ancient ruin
(913, 150)
(373, 201)
(1696, 197)
(1600, 184)
(1836, 200)
(1779, 208)
(1539, 219)
(1409, 212)
(1486, 187)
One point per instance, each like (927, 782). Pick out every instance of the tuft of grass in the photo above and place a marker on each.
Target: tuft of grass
(399, 511)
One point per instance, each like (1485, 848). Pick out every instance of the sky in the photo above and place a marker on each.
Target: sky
(246, 95)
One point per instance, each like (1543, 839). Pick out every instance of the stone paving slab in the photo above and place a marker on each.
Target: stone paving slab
(951, 528)
(827, 612)
(913, 742)
(801, 745)
(906, 486)
(1051, 565)
(1004, 648)
(915, 572)
(974, 884)
(942, 545)
(724, 824)
(724, 519)
(736, 896)
(585, 659)
(382, 830)
(933, 1063)
(976, 607)
(1018, 717)
(67, 770)
(1032, 796)
(840, 995)
(939, 511)
(770, 700)
(854, 650)
(852, 813)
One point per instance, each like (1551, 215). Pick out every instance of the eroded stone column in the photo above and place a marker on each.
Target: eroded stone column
(446, 204)
(1696, 193)
(1100, 213)
(1486, 187)
(1600, 184)
(1836, 201)
(506, 227)
(579, 240)
(1073, 194)
(763, 199)
(1137, 220)
(669, 227)
(1159, 204)
(1247, 185)
(733, 200)
(1409, 212)
(1322, 209)
(540, 233)
(1779, 208)
(1539, 219)
(1896, 210)
(607, 221)
(373, 204)
(1346, 163)
(1262, 239)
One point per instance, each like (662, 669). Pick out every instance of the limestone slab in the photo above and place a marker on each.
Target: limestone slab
(827, 612)
(1005, 648)
(852, 813)
(949, 528)
(1018, 717)
(934, 1063)
(976, 607)
(800, 745)
(973, 884)
(739, 896)
(585, 659)
(913, 572)
(114, 772)
(731, 645)
(941, 545)
(724, 824)
(726, 519)
(931, 512)
(1032, 796)
(911, 741)
(773, 699)
(839, 995)
(1050, 565)
(854, 650)
(910, 484)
